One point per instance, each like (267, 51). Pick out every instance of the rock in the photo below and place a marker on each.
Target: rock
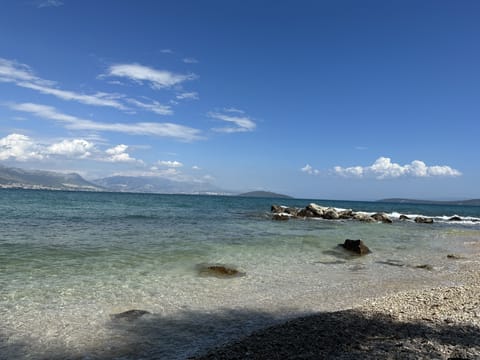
(423, 220)
(454, 257)
(382, 217)
(277, 209)
(346, 214)
(281, 217)
(330, 214)
(392, 262)
(455, 218)
(404, 217)
(316, 209)
(292, 211)
(306, 213)
(363, 217)
(130, 315)
(220, 271)
(356, 246)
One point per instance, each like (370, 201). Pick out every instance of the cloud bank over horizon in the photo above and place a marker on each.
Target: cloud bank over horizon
(384, 168)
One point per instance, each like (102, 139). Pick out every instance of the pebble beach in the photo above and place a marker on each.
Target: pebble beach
(430, 323)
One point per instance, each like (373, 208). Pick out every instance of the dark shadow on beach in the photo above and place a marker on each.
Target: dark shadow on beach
(347, 334)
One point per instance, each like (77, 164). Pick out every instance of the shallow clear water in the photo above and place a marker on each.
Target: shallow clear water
(68, 260)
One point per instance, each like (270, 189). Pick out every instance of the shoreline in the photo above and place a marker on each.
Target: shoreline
(438, 322)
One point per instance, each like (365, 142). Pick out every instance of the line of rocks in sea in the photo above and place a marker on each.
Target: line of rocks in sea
(313, 210)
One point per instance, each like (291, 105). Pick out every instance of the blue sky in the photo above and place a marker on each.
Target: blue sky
(319, 99)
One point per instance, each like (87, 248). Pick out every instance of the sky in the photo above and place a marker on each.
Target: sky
(340, 99)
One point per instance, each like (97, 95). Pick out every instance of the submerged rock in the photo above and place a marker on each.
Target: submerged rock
(130, 315)
(382, 217)
(423, 220)
(391, 262)
(220, 271)
(404, 217)
(356, 246)
(454, 257)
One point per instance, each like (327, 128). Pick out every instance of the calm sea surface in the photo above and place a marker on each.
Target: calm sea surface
(69, 260)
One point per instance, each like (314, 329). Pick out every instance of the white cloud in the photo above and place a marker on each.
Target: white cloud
(118, 154)
(19, 147)
(242, 123)
(188, 96)
(190, 60)
(72, 148)
(166, 51)
(170, 164)
(155, 107)
(23, 76)
(310, 170)
(383, 168)
(158, 79)
(195, 167)
(175, 131)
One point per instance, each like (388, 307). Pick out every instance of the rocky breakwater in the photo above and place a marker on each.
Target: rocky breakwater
(328, 213)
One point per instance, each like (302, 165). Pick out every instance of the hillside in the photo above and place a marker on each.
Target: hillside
(48, 180)
(151, 184)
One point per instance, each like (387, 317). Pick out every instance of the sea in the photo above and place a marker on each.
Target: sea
(70, 262)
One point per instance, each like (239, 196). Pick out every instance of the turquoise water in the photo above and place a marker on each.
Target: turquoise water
(69, 260)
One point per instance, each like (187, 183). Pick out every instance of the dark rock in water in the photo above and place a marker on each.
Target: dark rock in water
(454, 257)
(130, 315)
(455, 218)
(425, 266)
(382, 217)
(423, 220)
(220, 271)
(280, 217)
(292, 211)
(356, 246)
(404, 217)
(277, 209)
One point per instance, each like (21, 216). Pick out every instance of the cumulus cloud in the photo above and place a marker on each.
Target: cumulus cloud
(170, 164)
(119, 154)
(383, 168)
(175, 131)
(158, 79)
(308, 169)
(19, 147)
(79, 148)
(240, 121)
(22, 148)
(23, 76)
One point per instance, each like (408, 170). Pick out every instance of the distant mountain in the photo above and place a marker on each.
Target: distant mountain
(47, 180)
(265, 194)
(151, 184)
(472, 202)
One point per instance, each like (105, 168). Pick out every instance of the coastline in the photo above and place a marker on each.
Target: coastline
(439, 323)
